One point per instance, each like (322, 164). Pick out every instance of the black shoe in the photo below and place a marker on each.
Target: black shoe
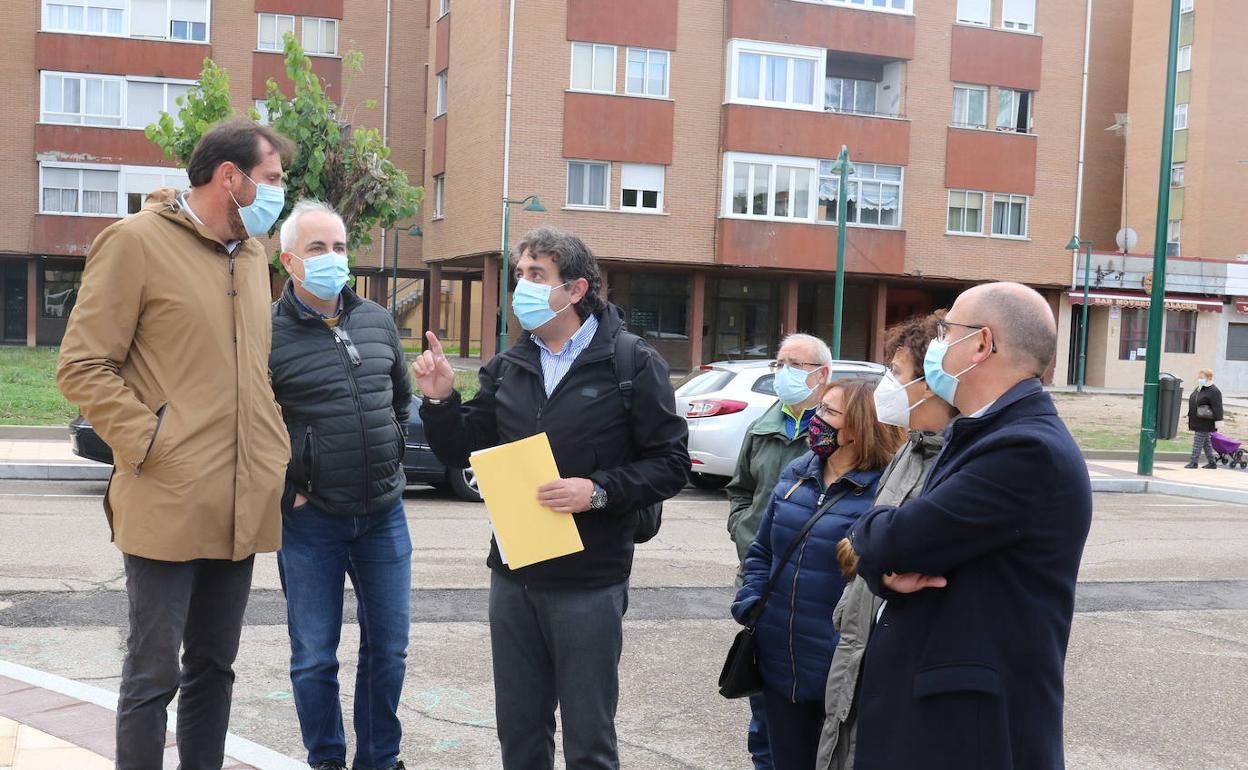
(1211, 467)
(397, 766)
(330, 764)
(1190, 465)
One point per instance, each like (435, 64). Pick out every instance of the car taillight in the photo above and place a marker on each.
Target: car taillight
(714, 407)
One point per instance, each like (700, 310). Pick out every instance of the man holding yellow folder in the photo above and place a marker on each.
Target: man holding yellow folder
(556, 627)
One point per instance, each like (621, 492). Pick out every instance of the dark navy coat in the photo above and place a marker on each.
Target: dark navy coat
(971, 675)
(795, 635)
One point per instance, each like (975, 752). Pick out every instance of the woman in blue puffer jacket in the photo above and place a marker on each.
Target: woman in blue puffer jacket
(849, 451)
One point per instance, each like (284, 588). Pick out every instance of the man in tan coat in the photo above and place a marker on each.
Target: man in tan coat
(167, 355)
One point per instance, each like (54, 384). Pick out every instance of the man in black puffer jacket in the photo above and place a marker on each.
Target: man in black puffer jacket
(340, 378)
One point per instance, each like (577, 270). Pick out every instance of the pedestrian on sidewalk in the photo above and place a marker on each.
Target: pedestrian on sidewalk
(775, 439)
(167, 354)
(964, 668)
(556, 627)
(832, 485)
(905, 400)
(1204, 412)
(341, 380)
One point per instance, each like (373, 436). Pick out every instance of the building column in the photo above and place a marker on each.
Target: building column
(697, 318)
(465, 317)
(434, 302)
(606, 283)
(32, 301)
(489, 308)
(788, 309)
(879, 319)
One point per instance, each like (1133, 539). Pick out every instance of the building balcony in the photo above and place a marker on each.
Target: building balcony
(645, 23)
(618, 128)
(273, 65)
(94, 144)
(96, 54)
(826, 25)
(990, 161)
(809, 246)
(54, 234)
(770, 131)
(994, 57)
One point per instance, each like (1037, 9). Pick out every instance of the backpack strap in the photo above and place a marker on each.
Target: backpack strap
(624, 362)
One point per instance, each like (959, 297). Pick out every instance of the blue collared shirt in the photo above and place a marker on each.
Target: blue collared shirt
(316, 313)
(555, 366)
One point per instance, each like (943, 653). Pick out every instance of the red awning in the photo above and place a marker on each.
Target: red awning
(1137, 299)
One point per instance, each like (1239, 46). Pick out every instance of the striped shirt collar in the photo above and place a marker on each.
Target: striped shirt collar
(555, 366)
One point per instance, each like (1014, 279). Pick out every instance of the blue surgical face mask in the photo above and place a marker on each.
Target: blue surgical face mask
(259, 216)
(1202, 382)
(791, 386)
(943, 383)
(325, 274)
(531, 304)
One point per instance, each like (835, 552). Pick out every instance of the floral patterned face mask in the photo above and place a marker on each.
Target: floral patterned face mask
(821, 437)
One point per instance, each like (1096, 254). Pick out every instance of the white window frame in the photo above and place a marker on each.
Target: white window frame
(320, 23)
(858, 179)
(774, 162)
(1183, 63)
(439, 195)
(645, 73)
(1018, 24)
(957, 120)
(126, 32)
(983, 216)
(121, 189)
(82, 114)
(1178, 173)
(1013, 127)
(817, 56)
(170, 105)
(961, 18)
(907, 8)
(659, 209)
(1010, 199)
(606, 191)
(1187, 6)
(1180, 116)
(278, 41)
(1174, 236)
(593, 64)
(262, 109)
(85, 5)
(441, 92)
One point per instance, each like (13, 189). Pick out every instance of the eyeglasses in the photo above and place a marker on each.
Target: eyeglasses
(803, 365)
(942, 328)
(826, 412)
(352, 351)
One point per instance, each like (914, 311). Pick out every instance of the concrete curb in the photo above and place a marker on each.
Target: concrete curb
(1132, 454)
(1136, 485)
(236, 748)
(34, 433)
(55, 472)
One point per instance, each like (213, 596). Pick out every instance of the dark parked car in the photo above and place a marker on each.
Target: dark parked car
(418, 461)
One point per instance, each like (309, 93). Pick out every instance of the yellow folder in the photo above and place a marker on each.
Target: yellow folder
(526, 531)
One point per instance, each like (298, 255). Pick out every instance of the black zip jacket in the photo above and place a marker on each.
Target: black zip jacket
(639, 458)
(347, 421)
(1208, 396)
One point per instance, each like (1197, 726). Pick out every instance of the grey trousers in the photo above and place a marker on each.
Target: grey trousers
(197, 605)
(556, 647)
(1202, 442)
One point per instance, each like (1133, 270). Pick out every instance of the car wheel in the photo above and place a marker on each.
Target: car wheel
(709, 481)
(463, 482)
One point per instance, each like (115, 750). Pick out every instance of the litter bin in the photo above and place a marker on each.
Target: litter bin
(1169, 404)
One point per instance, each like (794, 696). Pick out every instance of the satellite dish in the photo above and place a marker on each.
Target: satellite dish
(1126, 239)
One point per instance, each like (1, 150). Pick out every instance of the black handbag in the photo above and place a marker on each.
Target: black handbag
(1204, 412)
(740, 677)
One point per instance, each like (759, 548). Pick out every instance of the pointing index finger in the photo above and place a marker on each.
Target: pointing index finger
(434, 345)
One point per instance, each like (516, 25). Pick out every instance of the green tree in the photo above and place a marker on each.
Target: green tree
(346, 166)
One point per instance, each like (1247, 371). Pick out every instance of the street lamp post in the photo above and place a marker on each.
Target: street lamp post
(415, 232)
(1082, 369)
(1156, 306)
(844, 167)
(530, 203)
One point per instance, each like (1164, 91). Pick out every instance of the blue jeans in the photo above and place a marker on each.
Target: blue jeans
(758, 743)
(318, 551)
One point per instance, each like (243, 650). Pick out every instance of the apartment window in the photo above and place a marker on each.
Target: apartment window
(1013, 110)
(1187, 6)
(975, 12)
(1180, 117)
(966, 212)
(850, 96)
(192, 31)
(1237, 342)
(1133, 334)
(137, 182)
(439, 196)
(320, 36)
(440, 106)
(587, 183)
(262, 109)
(1180, 331)
(94, 17)
(1176, 174)
(970, 106)
(272, 28)
(78, 191)
(444, 7)
(61, 282)
(1185, 58)
(1009, 216)
(775, 75)
(90, 100)
(1174, 237)
(647, 72)
(593, 67)
(764, 186)
(897, 6)
(874, 194)
(145, 100)
(1019, 15)
(641, 187)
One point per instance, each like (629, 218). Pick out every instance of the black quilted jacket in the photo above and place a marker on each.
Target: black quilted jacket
(345, 396)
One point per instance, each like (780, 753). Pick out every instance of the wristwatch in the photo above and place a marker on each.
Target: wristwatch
(598, 500)
(435, 401)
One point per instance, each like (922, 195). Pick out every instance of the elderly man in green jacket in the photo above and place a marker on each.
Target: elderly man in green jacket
(774, 440)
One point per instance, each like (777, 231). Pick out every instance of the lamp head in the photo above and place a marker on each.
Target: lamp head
(535, 205)
(1074, 243)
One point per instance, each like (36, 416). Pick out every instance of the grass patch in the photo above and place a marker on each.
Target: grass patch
(1091, 438)
(28, 392)
(447, 349)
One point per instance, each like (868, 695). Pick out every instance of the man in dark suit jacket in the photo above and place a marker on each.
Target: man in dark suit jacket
(965, 666)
